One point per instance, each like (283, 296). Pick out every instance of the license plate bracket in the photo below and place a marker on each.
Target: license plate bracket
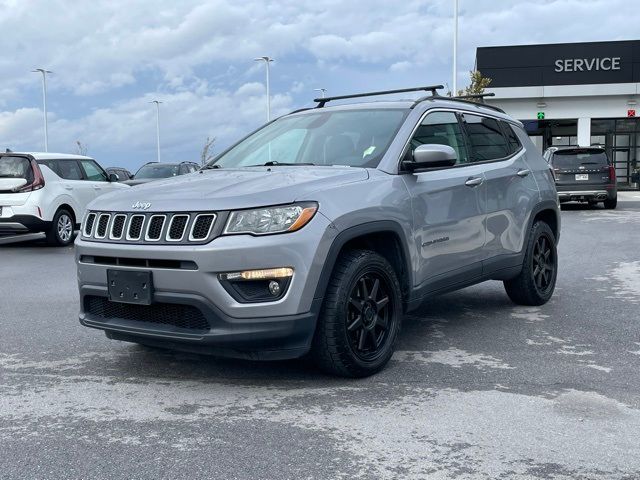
(127, 286)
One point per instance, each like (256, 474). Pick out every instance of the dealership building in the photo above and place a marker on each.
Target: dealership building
(571, 94)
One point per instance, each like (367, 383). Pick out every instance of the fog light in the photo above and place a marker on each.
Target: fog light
(274, 288)
(262, 274)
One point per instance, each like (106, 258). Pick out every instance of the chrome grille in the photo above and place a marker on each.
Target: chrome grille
(103, 222)
(178, 225)
(117, 226)
(88, 224)
(135, 227)
(154, 228)
(202, 226)
(151, 228)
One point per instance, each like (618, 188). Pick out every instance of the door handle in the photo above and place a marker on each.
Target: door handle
(523, 173)
(95, 187)
(473, 181)
(67, 187)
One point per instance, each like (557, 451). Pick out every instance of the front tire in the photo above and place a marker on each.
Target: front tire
(62, 229)
(536, 282)
(360, 316)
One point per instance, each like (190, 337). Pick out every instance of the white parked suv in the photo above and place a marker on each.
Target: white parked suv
(49, 192)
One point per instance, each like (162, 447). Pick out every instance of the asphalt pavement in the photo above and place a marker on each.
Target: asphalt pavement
(478, 387)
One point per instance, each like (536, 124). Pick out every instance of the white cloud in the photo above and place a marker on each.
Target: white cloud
(111, 57)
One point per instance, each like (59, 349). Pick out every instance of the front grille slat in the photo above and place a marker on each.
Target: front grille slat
(103, 223)
(177, 227)
(162, 228)
(88, 225)
(135, 227)
(202, 225)
(154, 228)
(117, 226)
(186, 317)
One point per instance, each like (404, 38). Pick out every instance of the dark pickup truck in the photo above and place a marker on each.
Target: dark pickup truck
(583, 174)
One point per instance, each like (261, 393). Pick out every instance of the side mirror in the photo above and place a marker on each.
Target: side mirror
(113, 177)
(431, 156)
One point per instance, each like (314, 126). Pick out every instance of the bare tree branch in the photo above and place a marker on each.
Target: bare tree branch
(207, 151)
(81, 149)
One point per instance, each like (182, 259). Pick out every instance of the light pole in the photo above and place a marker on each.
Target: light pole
(321, 90)
(44, 103)
(157, 125)
(455, 49)
(267, 61)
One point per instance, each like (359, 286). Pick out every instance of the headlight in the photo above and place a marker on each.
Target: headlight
(263, 221)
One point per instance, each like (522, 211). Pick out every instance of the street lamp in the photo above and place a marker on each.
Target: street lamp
(321, 90)
(455, 49)
(267, 61)
(157, 102)
(44, 103)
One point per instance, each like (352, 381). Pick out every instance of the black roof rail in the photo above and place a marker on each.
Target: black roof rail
(430, 88)
(480, 96)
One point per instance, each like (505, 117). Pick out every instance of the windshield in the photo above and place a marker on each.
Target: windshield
(576, 158)
(357, 138)
(157, 171)
(15, 167)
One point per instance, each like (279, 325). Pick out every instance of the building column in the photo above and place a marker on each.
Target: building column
(584, 131)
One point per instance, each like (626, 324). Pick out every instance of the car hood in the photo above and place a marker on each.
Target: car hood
(230, 189)
(140, 181)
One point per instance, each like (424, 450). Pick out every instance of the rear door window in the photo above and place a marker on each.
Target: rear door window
(69, 170)
(587, 158)
(486, 138)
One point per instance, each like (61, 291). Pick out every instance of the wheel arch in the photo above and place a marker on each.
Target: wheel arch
(549, 213)
(385, 237)
(70, 209)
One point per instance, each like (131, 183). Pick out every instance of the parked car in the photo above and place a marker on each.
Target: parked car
(49, 192)
(317, 232)
(122, 173)
(153, 171)
(583, 174)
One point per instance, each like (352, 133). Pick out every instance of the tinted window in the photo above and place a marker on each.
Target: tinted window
(16, 167)
(578, 158)
(158, 170)
(52, 164)
(512, 138)
(441, 128)
(486, 138)
(93, 171)
(69, 169)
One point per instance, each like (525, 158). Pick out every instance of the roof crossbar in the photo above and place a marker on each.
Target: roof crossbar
(430, 88)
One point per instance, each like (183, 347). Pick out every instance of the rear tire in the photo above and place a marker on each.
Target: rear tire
(536, 282)
(62, 229)
(360, 316)
(611, 203)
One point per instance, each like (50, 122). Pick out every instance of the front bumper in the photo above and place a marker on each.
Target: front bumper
(279, 329)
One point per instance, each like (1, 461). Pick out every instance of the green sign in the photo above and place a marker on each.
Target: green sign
(540, 115)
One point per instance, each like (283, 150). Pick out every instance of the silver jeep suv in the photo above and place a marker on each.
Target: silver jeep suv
(317, 232)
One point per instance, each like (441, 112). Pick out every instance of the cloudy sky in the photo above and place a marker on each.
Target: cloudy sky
(111, 58)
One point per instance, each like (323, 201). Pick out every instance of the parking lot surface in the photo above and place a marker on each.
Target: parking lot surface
(478, 387)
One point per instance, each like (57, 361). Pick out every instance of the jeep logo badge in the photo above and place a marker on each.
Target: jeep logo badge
(141, 206)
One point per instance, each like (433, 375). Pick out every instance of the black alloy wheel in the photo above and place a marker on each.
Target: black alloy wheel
(360, 316)
(368, 315)
(544, 263)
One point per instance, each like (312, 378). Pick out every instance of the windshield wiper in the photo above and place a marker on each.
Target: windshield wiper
(273, 163)
(210, 167)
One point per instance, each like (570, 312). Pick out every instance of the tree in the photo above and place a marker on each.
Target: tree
(477, 85)
(207, 151)
(81, 149)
